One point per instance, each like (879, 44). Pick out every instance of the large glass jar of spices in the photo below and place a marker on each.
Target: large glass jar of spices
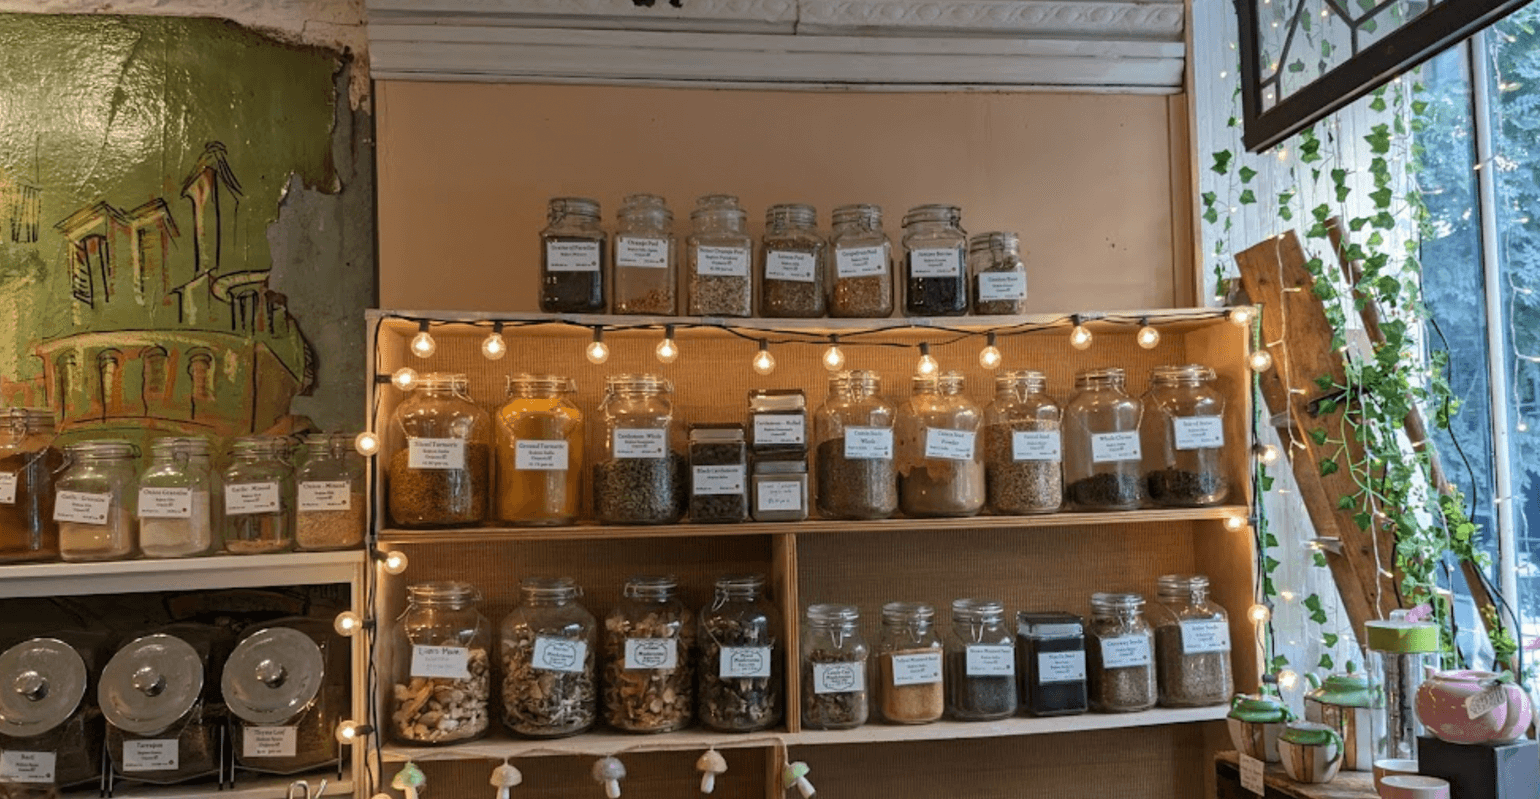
(28, 463)
(721, 254)
(980, 662)
(50, 730)
(549, 643)
(539, 452)
(740, 657)
(177, 514)
(1051, 663)
(792, 254)
(935, 268)
(1120, 650)
(639, 478)
(778, 421)
(646, 258)
(1192, 643)
(442, 677)
(331, 508)
(857, 478)
(286, 685)
(94, 501)
(572, 253)
(861, 269)
(1101, 443)
(1023, 451)
(719, 474)
(940, 460)
(649, 658)
(999, 277)
(160, 695)
(1184, 438)
(834, 695)
(440, 444)
(259, 496)
(910, 688)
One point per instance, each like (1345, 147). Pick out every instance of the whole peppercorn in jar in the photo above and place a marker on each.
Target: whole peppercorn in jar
(861, 268)
(793, 262)
(935, 262)
(649, 658)
(572, 255)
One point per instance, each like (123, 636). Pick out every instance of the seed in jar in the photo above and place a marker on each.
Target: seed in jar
(1017, 486)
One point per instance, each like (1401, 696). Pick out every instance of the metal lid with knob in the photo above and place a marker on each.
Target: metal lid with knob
(151, 683)
(273, 675)
(42, 681)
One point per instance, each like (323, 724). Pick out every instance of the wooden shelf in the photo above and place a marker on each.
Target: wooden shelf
(145, 575)
(266, 787)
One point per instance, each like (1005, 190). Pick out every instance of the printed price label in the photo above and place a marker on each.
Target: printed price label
(951, 445)
(81, 508)
(916, 669)
(869, 443)
(315, 495)
(1037, 445)
(1125, 651)
(7, 488)
(1478, 705)
(1002, 286)
(543, 456)
(722, 261)
(1198, 432)
(744, 661)
(447, 662)
(839, 678)
(991, 660)
(559, 654)
(1115, 447)
(572, 256)
(1205, 636)
(861, 261)
(652, 653)
(780, 428)
(641, 253)
(1253, 774)
(1061, 666)
(435, 453)
(778, 495)
(245, 499)
(633, 442)
(165, 503)
(268, 741)
(154, 754)
(27, 767)
(935, 262)
(717, 480)
(796, 266)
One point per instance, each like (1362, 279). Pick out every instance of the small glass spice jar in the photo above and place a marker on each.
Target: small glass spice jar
(177, 494)
(935, 255)
(331, 507)
(259, 496)
(1192, 643)
(572, 254)
(1101, 443)
(833, 668)
(646, 257)
(720, 253)
(719, 474)
(778, 421)
(1051, 663)
(639, 478)
(539, 452)
(999, 277)
(980, 662)
(548, 648)
(1023, 451)
(160, 695)
(286, 685)
(28, 462)
(441, 451)
(94, 501)
(793, 255)
(910, 689)
(649, 658)
(940, 462)
(442, 675)
(1120, 654)
(50, 728)
(861, 268)
(857, 478)
(739, 669)
(779, 490)
(1184, 438)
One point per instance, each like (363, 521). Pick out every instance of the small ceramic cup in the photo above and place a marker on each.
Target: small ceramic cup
(1411, 786)
(1388, 766)
(1311, 752)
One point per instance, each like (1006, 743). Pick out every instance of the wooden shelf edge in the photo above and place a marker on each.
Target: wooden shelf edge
(224, 570)
(265, 787)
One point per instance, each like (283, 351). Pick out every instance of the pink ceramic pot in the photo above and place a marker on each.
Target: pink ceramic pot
(1441, 708)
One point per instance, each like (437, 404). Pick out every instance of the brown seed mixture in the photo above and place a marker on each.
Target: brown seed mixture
(719, 295)
(436, 710)
(1118, 690)
(909, 704)
(854, 488)
(545, 704)
(332, 529)
(736, 704)
(649, 700)
(440, 497)
(1193, 680)
(1020, 486)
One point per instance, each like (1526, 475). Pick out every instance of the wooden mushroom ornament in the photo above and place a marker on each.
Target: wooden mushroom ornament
(409, 780)
(610, 771)
(796, 775)
(710, 765)
(504, 777)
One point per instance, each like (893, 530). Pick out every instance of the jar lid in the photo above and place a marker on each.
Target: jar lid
(1049, 625)
(855, 212)
(904, 612)
(865, 378)
(260, 445)
(777, 399)
(443, 381)
(714, 433)
(829, 613)
(1401, 637)
(550, 588)
(740, 584)
(933, 213)
(175, 444)
(103, 448)
(273, 675)
(1106, 374)
(717, 201)
(150, 683)
(1030, 379)
(1192, 372)
(1346, 690)
(445, 592)
(1109, 602)
(528, 383)
(974, 609)
(650, 586)
(26, 418)
(950, 382)
(1259, 709)
(638, 382)
(1008, 242)
(558, 207)
(1180, 585)
(635, 203)
(45, 680)
(1308, 733)
(780, 467)
(794, 214)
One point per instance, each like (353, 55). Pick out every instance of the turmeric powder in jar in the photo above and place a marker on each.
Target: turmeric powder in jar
(539, 452)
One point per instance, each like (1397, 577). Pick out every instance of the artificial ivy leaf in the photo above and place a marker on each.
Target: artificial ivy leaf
(1363, 520)
(1320, 560)
(1266, 482)
(1211, 216)
(1232, 123)
(1345, 503)
(1221, 162)
(1378, 104)
(1375, 239)
(1318, 616)
(1321, 212)
(1381, 198)
(1247, 173)
(1419, 107)
(1330, 639)
(1328, 467)
(1297, 66)
(1326, 662)
(1247, 197)
(1270, 564)
(1312, 602)
(1284, 213)
(1326, 407)
(1279, 661)
(1318, 436)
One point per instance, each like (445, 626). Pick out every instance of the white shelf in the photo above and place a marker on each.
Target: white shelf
(216, 571)
(250, 788)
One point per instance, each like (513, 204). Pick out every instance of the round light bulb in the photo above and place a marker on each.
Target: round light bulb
(927, 365)
(1259, 614)
(1235, 522)
(1287, 679)
(1242, 316)
(494, 347)
(404, 378)
(1148, 338)
(597, 352)
(1080, 338)
(394, 561)
(667, 351)
(834, 358)
(347, 623)
(764, 362)
(1260, 361)
(990, 357)
(423, 345)
(1267, 454)
(367, 444)
(350, 732)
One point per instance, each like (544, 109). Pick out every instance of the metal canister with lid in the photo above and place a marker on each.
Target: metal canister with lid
(286, 687)
(162, 723)
(50, 729)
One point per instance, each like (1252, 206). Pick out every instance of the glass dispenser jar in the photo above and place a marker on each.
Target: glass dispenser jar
(286, 685)
(1120, 650)
(639, 479)
(548, 648)
(935, 268)
(857, 478)
(159, 696)
(1101, 443)
(177, 511)
(940, 462)
(980, 662)
(999, 277)
(94, 501)
(539, 452)
(572, 255)
(259, 496)
(833, 668)
(649, 658)
(28, 463)
(1192, 643)
(793, 254)
(861, 269)
(909, 665)
(1184, 438)
(442, 675)
(719, 474)
(441, 444)
(646, 257)
(331, 508)
(721, 253)
(1051, 663)
(740, 657)
(50, 730)
(1402, 652)
(1023, 451)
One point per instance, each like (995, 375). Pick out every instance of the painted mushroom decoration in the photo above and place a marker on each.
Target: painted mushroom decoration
(710, 765)
(610, 771)
(408, 780)
(796, 774)
(504, 777)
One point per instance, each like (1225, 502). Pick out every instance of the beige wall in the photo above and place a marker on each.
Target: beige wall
(1087, 180)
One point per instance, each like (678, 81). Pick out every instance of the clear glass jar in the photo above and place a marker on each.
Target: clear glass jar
(721, 255)
(572, 254)
(793, 255)
(1051, 663)
(740, 657)
(1184, 439)
(910, 687)
(999, 277)
(1101, 443)
(1120, 651)
(646, 257)
(980, 662)
(649, 658)
(779, 492)
(719, 474)
(1192, 643)
(833, 668)
(778, 421)
(548, 647)
(1401, 653)
(940, 460)
(28, 462)
(50, 728)
(94, 500)
(861, 268)
(935, 256)
(442, 675)
(160, 694)
(640, 478)
(286, 686)
(857, 478)
(539, 452)
(1023, 451)
(259, 496)
(177, 492)
(331, 508)
(441, 451)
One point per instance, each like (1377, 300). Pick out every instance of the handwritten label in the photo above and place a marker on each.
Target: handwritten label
(572, 256)
(716, 480)
(1478, 705)
(446, 662)
(1002, 286)
(435, 453)
(951, 445)
(861, 261)
(1198, 432)
(35, 768)
(1115, 447)
(540, 456)
(783, 495)
(559, 654)
(322, 495)
(151, 754)
(722, 261)
(1253, 774)
(780, 428)
(244, 499)
(1125, 651)
(1205, 636)
(81, 507)
(652, 653)
(1037, 445)
(869, 443)
(796, 266)
(990, 660)
(839, 678)
(641, 253)
(165, 503)
(935, 262)
(268, 741)
(744, 661)
(632, 442)
(916, 669)
(8, 488)
(1055, 667)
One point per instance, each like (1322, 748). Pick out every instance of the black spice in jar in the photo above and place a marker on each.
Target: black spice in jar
(1051, 662)
(639, 490)
(934, 296)
(1109, 490)
(1182, 487)
(975, 696)
(719, 490)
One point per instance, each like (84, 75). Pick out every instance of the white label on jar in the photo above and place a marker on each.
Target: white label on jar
(1115, 447)
(717, 480)
(1484, 702)
(559, 654)
(27, 767)
(839, 678)
(935, 262)
(1199, 432)
(642, 253)
(1253, 774)
(780, 428)
(7, 488)
(990, 660)
(783, 495)
(1205, 636)
(572, 256)
(1061, 666)
(723, 261)
(916, 669)
(744, 661)
(652, 653)
(546, 456)
(998, 286)
(640, 442)
(244, 499)
(1125, 651)
(447, 662)
(314, 495)
(869, 443)
(165, 503)
(81, 508)
(1037, 445)
(157, 754)
(951, 445)
(861, 261)
(268, 742)
(435, 453)
(798, 266)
